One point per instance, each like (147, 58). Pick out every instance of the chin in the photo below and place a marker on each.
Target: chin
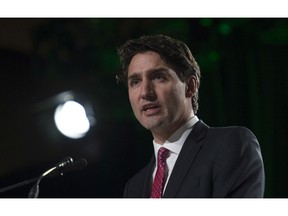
(153, 125)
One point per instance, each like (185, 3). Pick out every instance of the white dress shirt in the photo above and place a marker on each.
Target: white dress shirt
(174, 143)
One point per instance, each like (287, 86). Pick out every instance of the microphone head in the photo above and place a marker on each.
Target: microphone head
(81, 163)
(69, 166)
(65, 162)
(76, 165)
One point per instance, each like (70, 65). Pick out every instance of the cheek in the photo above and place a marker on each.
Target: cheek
(178, 93)
(175, 98)
(171, 98)
(133, 101)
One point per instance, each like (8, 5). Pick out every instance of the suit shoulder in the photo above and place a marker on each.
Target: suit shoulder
(232, 131)
(235, 138)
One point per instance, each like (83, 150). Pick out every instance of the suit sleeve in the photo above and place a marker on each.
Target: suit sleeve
(125, 194)
(239, 169)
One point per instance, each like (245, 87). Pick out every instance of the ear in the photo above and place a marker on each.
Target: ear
(191, 86)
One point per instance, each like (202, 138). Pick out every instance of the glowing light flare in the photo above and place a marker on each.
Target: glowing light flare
(71, 120)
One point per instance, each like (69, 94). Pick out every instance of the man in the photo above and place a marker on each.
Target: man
(163, 79)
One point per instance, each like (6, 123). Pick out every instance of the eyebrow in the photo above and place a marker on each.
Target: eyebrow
(133, 76)
(151, 72)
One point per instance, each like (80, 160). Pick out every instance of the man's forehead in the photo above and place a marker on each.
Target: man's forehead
(145, 61)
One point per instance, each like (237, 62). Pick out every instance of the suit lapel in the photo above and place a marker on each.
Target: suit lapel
(190, 148)
(148, 178)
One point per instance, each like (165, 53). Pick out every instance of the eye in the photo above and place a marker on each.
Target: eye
(134, 82)
(159, 77)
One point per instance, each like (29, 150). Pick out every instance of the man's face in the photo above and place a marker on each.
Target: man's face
(157, 96)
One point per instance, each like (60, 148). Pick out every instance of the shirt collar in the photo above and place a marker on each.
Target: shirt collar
(175, 142)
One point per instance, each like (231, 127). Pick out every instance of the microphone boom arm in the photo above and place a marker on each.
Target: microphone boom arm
(65, 166)
(26, 182)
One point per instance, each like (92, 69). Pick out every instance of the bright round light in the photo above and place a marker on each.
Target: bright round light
(71, 120)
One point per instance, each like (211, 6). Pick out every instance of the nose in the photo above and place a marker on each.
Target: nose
(147, 91)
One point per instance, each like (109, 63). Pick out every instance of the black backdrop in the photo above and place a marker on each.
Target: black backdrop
(244, 82)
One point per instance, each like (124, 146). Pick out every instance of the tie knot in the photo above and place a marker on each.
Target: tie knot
(162, 154)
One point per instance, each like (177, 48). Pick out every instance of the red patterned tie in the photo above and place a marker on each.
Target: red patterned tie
(158, 183)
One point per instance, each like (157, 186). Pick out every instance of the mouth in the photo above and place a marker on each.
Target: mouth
(151, 108)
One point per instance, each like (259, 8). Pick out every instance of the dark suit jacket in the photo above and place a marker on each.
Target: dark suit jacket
(214, 162)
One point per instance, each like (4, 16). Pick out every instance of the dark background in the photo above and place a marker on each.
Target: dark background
(244, 77)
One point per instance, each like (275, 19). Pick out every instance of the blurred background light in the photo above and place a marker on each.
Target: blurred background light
(213, 56)
(225, 29)
(71, 120)
(206, 22)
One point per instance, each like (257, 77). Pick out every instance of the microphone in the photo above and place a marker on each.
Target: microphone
(68, 165)
(65, 162)
(65, 165)
(76, 165)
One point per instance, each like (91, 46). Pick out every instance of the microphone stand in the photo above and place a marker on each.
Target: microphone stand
(34, 191)
(26, 182)
(65, 165)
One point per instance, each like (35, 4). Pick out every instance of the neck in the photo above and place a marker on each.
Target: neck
(161, 134)
(161, 137)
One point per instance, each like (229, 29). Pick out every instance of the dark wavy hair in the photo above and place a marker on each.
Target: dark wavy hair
(174, 53)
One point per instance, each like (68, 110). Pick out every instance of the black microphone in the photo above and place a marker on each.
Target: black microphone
(65, 165)
(76, 165)
(65, 162)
